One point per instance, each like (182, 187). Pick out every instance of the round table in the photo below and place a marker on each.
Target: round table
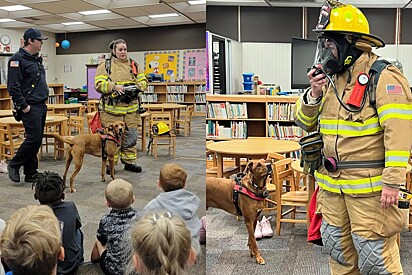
(66, 108)
(50, 121)
(5, 113)
(249, 148)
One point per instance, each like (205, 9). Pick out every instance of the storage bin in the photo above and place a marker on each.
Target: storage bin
(247, 77)
(247, 86)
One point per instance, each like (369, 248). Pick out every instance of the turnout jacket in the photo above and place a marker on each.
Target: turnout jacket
(26, 74)
(122, 74)
(381, 133)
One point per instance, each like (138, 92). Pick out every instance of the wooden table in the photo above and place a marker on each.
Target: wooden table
(166, 107)
(249, 148)
(59, 121)
(5, 113)
(145, 116)
(66, 108)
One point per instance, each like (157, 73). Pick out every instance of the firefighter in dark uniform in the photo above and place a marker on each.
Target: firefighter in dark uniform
(29, 91)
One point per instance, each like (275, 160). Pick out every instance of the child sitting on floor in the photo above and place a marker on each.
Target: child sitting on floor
(114, 228)
(177, 200)
(49, 189)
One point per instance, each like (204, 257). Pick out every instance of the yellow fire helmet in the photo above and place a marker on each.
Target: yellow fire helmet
(160, 128)
(337, 17)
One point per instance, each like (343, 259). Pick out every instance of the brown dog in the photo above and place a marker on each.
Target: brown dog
(92, 144)
(219, 194)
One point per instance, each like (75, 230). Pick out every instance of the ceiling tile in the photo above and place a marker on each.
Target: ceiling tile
(185, 7)
(157, 9)
(130, 12)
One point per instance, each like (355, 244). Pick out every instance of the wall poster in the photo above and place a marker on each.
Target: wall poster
(194, 65)
(162, 62)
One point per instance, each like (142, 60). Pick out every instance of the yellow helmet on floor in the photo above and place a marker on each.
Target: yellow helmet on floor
(160, 128)
(337, 17)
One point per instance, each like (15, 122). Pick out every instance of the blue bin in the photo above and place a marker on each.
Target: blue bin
(247, 77)
(247, 86)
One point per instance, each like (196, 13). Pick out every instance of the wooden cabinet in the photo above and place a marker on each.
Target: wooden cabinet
(189, 93)
(243, 116)
(56, 95)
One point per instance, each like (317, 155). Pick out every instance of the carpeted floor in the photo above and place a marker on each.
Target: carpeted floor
(287, 254)
(89, 197)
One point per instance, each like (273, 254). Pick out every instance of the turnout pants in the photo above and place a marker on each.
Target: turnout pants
(26, 156)
(128, 150)
(359, 235)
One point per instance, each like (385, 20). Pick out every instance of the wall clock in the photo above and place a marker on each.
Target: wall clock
(5, 39)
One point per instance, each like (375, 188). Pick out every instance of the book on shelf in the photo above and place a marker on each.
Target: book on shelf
(200, 108)
(227, 110)
(200, 98)
(285, 132)
(236, 129)
(176, 89)
(175, 98)
(281, 111)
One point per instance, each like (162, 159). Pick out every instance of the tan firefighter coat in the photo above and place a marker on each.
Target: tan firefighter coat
(384, 133)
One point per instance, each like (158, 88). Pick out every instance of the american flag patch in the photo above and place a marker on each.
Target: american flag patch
(392, 89)
(14, 63)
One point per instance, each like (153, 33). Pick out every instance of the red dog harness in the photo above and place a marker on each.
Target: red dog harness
(239, 188)
(106, 137)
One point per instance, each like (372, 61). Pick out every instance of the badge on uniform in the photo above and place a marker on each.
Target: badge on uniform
(14, 64)
(394, 89)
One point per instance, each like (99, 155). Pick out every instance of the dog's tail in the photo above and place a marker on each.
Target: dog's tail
(65, 139)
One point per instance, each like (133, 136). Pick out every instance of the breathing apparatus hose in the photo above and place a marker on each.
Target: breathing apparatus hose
(344, 105)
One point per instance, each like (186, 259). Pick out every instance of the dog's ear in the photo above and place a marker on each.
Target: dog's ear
(125, 127)
(248, 167)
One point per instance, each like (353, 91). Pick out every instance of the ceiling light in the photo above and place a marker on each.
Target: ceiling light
(163, 15)
(15, 8)
(197, 2)
(4, 20)
(72, 23)
(94, 12)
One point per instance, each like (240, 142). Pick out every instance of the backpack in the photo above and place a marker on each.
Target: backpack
(374, 74)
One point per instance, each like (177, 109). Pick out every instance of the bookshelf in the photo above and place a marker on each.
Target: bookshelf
(189, 93)
(56, 95)
(243, 116)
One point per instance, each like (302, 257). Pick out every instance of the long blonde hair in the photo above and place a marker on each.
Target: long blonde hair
(162, 242)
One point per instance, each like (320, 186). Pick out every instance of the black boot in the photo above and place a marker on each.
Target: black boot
(14, 174)
(108, 170)
(132, 167)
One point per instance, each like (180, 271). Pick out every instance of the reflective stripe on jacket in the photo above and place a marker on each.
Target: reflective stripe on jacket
(371, 134)
(120, 74)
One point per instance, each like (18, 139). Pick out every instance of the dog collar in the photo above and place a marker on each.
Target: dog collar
(242, 189)
(110, 137)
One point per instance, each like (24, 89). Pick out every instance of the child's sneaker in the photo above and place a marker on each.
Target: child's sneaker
(3, 167)
(266, 227)
(258, 231)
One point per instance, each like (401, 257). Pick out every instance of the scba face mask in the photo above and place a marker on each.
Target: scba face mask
(335, 53)
(327, 55)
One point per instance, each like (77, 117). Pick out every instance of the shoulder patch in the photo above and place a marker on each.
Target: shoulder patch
(14, 64)
(394, 89)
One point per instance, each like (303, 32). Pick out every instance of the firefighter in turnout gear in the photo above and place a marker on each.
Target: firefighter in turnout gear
(366, 144)
(120, 80)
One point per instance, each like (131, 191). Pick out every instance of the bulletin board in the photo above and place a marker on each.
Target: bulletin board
(164, 62)
(194, 65)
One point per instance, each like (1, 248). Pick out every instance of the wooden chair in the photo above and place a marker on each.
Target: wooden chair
(50, 129)
(282, 170)
(168, 139)
(92, 106)
(185, 121)
(211, 170)
(76, 125)
(10, 141)
(270, 202)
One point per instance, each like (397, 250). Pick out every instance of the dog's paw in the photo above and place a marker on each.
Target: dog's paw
(103, 179)
(72, 190)
(260, 261)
